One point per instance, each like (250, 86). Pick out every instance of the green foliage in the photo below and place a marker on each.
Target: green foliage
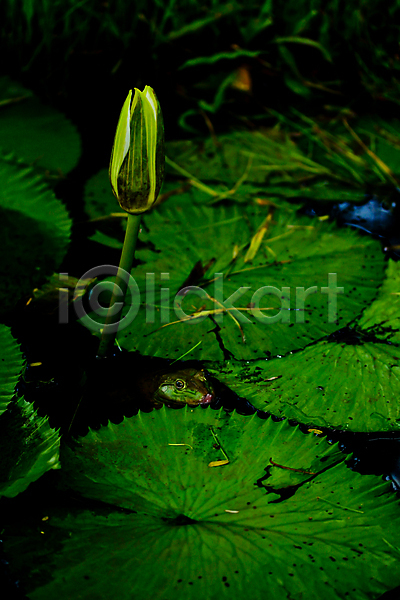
(382, 317)
(35, 230)
(209, 60)
(149, 449)
(317, 51)
(166, 19)
(153, 518)
(36, 133)
(350, 381)
(352, 153)
(249, 169)
(29, 447)
(252, 247)
(101, 206)
(99, 199)
(322, 164)
(254, 157)
(307, 42)
(11, 364)
(189, 529)
(345, 385)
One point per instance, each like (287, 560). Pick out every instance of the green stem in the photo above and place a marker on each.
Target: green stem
(120, 286)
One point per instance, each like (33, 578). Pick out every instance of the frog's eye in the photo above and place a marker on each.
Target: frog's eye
(180, 384)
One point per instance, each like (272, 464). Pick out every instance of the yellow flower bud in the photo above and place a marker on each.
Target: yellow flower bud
(137, 158)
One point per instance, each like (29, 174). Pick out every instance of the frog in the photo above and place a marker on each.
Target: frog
(174, 389)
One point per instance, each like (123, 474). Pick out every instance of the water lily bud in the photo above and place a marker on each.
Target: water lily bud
(137, 158)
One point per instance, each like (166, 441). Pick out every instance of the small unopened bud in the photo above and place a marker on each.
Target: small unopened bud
(137, 158)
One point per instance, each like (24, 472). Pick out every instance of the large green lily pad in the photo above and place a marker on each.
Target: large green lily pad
(35, 229)
(36, 133)
(350, 381)
(28, 448)
(149, 450)
(28, 445)
(383, 316)
(11, 365)
(253, 248)
(349, 384)
(189, 530)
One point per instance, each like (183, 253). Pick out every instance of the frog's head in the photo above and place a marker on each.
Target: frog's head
(186, 386)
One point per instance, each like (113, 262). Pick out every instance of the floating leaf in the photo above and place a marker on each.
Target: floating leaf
(11, 365)
(156, 446)
(270, 313)
(35, 230)
(190, 531)
(28, 448)
(383, 316)
(345, 384)
(35, 132)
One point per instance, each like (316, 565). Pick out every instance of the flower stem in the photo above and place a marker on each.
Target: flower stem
(120, 286)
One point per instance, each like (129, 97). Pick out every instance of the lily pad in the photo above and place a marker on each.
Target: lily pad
(36, 133)
(268, 257)
(383, 316)
(35, 230)
(28, 447)
(143, 446)
(348, 384)
(189, 530)
(11, 365)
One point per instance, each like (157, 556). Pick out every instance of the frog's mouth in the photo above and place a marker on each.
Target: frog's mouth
(206, 399)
